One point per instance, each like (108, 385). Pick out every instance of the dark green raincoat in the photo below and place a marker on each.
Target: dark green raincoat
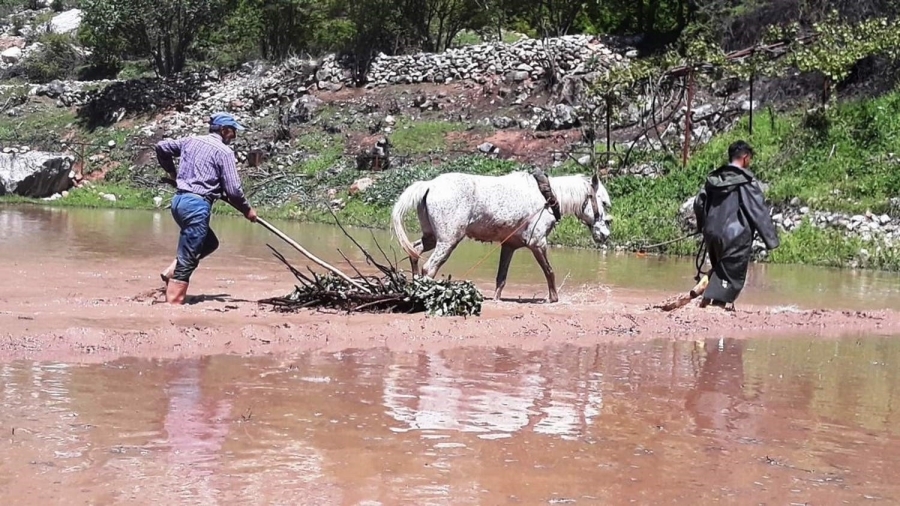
(730, 209)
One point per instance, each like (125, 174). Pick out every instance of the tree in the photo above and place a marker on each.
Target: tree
(436, 22)
(496, 13)
(162, 30)
(555, 18)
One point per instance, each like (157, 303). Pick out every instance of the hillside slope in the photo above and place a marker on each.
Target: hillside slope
(832, 176)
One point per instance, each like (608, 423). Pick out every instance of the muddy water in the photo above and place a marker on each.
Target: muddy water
(54, 233)
(737, 422)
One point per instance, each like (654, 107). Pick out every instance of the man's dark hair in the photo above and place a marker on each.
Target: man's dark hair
(739, 149)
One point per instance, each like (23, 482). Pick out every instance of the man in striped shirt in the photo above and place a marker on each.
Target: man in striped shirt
(206, 173)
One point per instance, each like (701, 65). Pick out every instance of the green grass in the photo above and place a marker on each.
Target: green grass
(847, 168)
(423, 136)
(808, 244)
(328, 148)
(466, 38)
(135, 70)
(127, 197)
(47, 123)
(14, 90)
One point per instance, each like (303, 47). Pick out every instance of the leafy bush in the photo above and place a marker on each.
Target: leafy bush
(57, 59)
(17, 22)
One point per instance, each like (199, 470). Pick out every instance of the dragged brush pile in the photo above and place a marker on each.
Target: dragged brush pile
(389, 292)
(392, 293)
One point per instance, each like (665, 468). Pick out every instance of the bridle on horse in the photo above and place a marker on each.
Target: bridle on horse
(592, 197)
(543, 183)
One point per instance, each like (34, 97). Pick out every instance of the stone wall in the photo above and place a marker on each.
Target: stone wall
(519, 61)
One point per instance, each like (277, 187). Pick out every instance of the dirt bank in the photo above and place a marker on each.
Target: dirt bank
(92, 309)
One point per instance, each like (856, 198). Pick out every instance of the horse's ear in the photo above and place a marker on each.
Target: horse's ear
(595, 181)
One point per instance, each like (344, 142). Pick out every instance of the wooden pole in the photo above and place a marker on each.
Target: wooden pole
(608, 128)
(307, 254)
(685, 151)
(683, 299)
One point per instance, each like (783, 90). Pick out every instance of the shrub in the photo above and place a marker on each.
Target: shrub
(57, 59)
(18, 22)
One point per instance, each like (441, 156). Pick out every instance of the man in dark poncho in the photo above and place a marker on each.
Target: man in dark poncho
(730, 209)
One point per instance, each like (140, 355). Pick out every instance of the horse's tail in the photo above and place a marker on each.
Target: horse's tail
(409, 200)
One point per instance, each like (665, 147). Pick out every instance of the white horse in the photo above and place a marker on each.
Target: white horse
(490, 209)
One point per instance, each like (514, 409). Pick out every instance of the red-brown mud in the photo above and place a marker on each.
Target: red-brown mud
(94, 309)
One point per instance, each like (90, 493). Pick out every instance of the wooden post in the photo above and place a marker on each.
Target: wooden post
(685, 151)
(608, 128)
(752, 76)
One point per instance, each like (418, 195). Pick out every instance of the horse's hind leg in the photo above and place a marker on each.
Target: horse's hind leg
(442, 252)
(540, 254)
(423, 245)
(506, 254)
(428, 240)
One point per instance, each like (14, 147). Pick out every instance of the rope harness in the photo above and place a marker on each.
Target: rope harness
(700, 259)
(543, 183)
(551, 203)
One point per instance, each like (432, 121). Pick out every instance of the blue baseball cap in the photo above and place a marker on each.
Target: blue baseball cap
(223, 119)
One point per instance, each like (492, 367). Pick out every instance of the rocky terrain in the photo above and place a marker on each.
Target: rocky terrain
(18, 40)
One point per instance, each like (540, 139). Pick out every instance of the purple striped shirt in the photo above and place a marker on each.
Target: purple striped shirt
(207, 168)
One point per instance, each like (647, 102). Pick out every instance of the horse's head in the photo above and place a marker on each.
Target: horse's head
(593, 212)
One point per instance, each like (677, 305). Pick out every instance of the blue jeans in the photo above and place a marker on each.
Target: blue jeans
(197, 240)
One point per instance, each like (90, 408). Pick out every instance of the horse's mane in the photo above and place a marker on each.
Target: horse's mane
(571, 191)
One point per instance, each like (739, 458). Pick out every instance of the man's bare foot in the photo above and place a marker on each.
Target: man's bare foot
(167, 274)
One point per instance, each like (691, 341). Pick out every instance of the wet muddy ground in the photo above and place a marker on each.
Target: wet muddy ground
(107, 398)
(80, 286)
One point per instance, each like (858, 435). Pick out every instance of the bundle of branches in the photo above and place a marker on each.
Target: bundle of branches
(391, 291)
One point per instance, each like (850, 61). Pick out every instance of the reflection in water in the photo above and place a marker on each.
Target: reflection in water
(717, 399)
(195, 429)
(760, 421)
(64, 234)
(428, 395)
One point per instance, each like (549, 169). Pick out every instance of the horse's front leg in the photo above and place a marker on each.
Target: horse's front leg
(506, 254)
(540, 254)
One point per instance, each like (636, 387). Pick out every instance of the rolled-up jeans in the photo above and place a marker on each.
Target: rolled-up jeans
(197, 240)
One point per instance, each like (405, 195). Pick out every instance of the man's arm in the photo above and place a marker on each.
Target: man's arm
(166, 151)
(231, 184)
(758, 213)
